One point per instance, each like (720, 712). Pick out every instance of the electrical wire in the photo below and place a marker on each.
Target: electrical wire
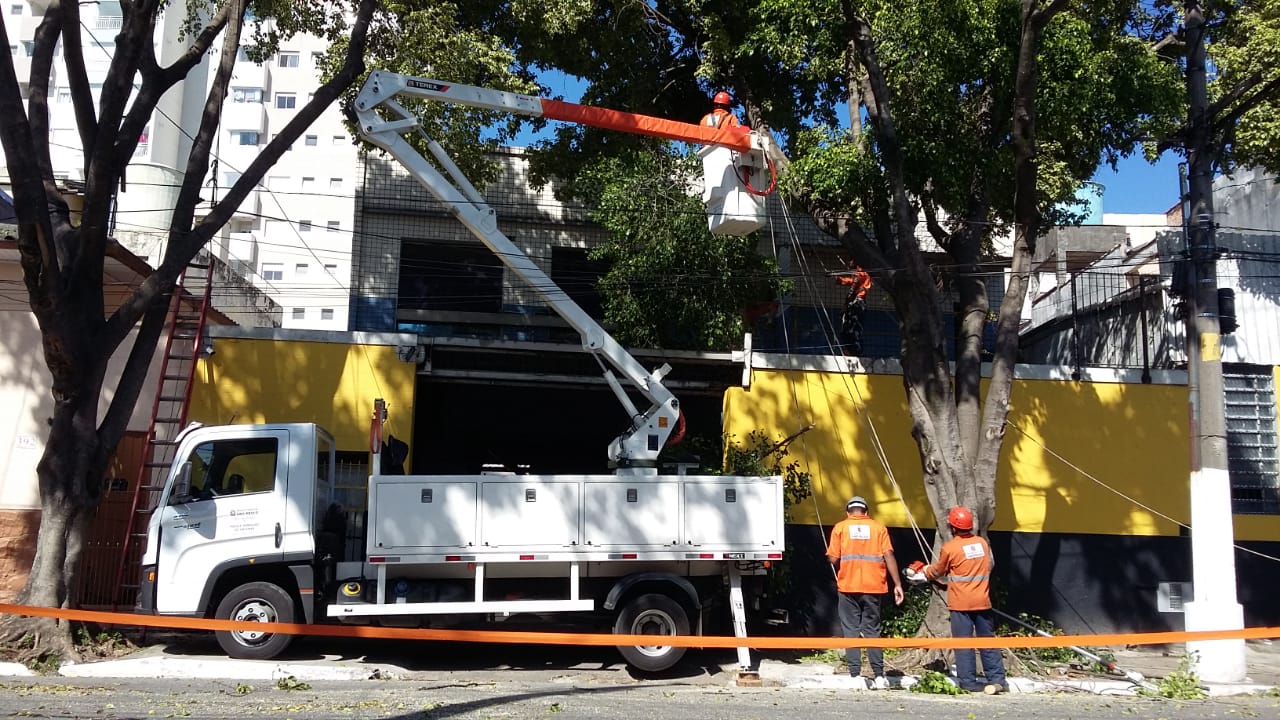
(1129, 498)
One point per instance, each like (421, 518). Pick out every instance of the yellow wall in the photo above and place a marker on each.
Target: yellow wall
(331, 384)
(1131, 437)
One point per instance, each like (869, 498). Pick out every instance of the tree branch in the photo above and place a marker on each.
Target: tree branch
(105, 166)
(940, 235)
(181, 247)
(880, 113)
(352, 69)
(77, 77)
(1173, 39)
(1234, 94)
(44, 41)
(179, 68)
(1261, 95)
(41, 269)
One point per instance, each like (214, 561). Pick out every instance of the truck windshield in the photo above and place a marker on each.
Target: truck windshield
(232, 467)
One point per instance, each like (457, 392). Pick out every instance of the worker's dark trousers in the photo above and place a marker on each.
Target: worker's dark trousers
(851, 326)
(967, 623)
(860, 617)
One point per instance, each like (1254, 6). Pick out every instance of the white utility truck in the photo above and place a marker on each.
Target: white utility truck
(247, 529)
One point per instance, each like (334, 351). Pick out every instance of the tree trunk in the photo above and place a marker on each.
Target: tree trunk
(70, 478)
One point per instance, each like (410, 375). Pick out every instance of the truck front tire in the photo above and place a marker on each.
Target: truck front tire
(255, 602)
(652, 614)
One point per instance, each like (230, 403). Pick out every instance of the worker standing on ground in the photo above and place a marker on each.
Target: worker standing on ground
(861, 546)
(720, 116)
(855, 306)
(965, 564)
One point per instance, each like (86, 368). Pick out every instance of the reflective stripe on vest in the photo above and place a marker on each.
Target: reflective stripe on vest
(869, 558)
(967, 578)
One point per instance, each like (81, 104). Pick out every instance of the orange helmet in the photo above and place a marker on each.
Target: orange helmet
(722, 98)
(960, 518)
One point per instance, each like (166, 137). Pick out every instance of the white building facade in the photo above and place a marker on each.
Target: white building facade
(291, 237)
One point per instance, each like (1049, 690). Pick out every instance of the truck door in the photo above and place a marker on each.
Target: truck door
(233, 515)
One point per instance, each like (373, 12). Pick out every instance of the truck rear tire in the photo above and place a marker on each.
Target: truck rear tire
(652, 614)
(255, 602)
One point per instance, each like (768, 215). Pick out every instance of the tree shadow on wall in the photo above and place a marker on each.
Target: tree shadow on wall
(1102, 577)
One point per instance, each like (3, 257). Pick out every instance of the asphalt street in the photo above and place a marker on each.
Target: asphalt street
(185, 675)
(564, 697)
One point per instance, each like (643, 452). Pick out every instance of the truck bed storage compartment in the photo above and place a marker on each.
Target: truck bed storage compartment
(491, 514)
(412, 512)
(638, 513)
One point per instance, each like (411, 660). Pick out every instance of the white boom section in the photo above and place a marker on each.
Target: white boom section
(636, 449)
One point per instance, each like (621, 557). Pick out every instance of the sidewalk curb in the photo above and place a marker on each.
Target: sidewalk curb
(13, 669)
(162, 667)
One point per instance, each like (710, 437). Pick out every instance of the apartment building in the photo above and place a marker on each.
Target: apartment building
(291, 238)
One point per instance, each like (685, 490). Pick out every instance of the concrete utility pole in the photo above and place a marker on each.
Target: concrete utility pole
(1213, 568)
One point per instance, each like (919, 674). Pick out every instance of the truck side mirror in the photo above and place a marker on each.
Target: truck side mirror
(182, 484)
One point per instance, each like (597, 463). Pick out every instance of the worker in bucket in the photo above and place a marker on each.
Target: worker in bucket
(721, 116)
(861, 546)
(965, 564)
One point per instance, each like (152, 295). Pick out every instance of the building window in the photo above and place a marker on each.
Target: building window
(339, 139)
(246, 95)
(577, 274)
(64, 95)
(272, 271)
(15, 9)
(287, 60)
(308, 183)
(1251, 440)
(334, 226)
(244, 137)
(331, 268)
(326, 313)
(299, 313)
(300, 269)
(13, 49)
(286, 101)
(335, 183)
(29, 47)
(317, 58)
(474, 283)
(304, 226)
(311, 141)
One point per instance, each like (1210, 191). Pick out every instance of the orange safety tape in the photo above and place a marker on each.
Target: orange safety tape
(605, 639)
(638, 124)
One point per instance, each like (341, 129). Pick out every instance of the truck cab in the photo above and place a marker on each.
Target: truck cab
(240, 502)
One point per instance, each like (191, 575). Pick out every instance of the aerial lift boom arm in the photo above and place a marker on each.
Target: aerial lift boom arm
(637, 448)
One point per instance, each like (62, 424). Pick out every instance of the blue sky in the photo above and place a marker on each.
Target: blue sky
(1137, 186)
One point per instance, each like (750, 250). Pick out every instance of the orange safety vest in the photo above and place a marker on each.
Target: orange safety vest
(860, 281)
(965, 564)
(860, 544)
(720, 118)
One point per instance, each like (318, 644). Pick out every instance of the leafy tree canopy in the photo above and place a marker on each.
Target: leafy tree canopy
(670, 283)
(443, 40)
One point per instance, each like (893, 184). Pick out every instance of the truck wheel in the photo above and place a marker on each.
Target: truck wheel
(652, 614)
(255, 602)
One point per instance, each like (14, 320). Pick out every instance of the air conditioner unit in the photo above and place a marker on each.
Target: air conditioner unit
(1171, 596)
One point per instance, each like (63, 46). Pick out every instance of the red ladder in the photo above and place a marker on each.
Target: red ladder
(168, 415)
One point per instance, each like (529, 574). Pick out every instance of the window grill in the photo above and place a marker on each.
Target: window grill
(1250, 406)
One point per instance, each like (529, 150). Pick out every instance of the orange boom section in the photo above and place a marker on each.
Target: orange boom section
(735, 138)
